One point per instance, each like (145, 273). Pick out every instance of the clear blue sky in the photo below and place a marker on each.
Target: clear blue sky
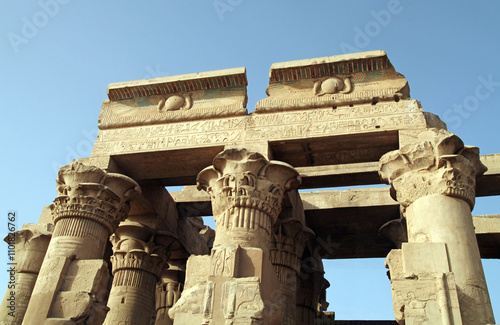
(59, 56)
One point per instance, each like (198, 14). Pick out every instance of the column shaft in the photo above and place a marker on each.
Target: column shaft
(90, 205)
(434, 180)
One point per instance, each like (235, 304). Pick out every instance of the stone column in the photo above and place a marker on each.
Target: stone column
(137, 264)
(247, 193)
(168, 291)
(31, 244)
(434, 181)
(311, 291)
(287, 246)
(90, 205)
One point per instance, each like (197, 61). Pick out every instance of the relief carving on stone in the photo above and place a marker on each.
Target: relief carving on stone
(176, 102)
(135, 254)
(91, 193)
(224, 261)
(241, 301)
(246, 191)
(332, 85)
(287, 246)
(425, 298)
(438, 164)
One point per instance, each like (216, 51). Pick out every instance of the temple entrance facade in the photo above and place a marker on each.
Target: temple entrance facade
(116, 247)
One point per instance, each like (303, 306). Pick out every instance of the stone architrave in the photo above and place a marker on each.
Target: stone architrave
(90, 205)
(434, 180)
(237, 283)
(137, 264)
(31, 244)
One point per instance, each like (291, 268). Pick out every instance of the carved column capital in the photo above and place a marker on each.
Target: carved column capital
(134, 250)
(91, 193)
(246, 189)
(287, 247)
(438, 163)
(137, 265)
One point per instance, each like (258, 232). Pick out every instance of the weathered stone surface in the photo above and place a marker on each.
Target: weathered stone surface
(30, 245)
(332, 81)
(438, 164)
(247, 193)
(169, 290)
(434, 181)
(327, 122)
(194, 96)
(89, 206)
(137, 265)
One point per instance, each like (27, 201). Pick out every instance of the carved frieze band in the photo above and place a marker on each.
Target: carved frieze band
(438, 164)
(90, 193)
(294, 124)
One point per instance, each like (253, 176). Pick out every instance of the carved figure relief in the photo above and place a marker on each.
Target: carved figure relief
(332, 85)
(224, 261)
(176, 102)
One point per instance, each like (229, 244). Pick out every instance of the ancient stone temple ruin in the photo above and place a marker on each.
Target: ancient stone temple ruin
(117, 248)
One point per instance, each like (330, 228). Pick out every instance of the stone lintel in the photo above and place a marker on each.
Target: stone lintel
(332, 81)
(176, 152)
(489, 183)
(352, 174)
(352, 219)
(185, 97)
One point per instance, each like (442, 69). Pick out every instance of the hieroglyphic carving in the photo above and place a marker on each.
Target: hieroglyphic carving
(241, 300)
(334, 81)
(195, 304)
(224, 261)
(174, 99)
(208, 301)
(425, 298)
(438, 164)
(272, 126)
(295, 124)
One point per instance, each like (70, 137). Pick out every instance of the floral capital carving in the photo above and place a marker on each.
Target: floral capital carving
(438, 163)
(287, 247)
(91, 193)
(246, 189)
(135, 254)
